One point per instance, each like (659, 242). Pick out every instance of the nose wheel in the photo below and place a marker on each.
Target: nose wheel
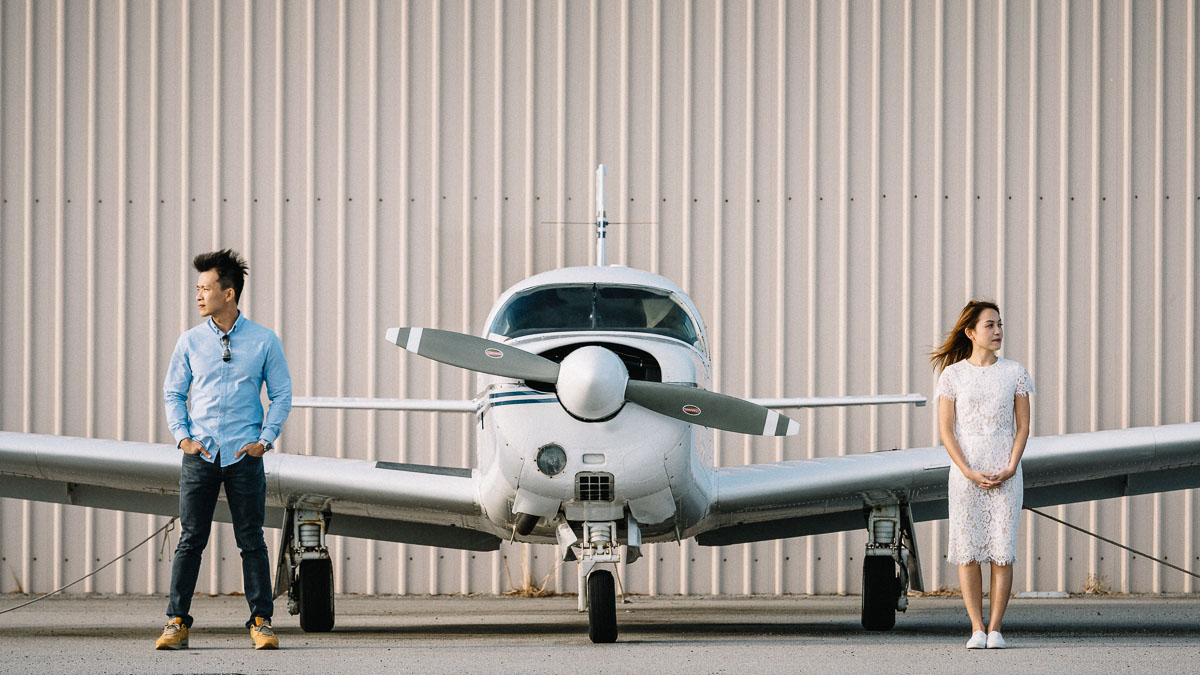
(602, 607)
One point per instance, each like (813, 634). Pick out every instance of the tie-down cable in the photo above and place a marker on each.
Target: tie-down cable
(162, 530)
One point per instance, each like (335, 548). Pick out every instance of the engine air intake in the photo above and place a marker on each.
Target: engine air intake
(594, 487)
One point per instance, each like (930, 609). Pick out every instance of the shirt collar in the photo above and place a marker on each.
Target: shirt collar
(212, 325)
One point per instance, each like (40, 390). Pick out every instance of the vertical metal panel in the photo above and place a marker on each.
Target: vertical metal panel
(1190, 253)
(653, 561)
(1157, 348)
(716, 237)
(463, 438)
(372, 290)
(122, 276)
(842, 194)
(402, 552)
(781, 244)
(685, 192)
(27, 545)
(90, 327)
(935, 195)
(416, 148)
(1064, 309)
(435, 244)
(340, 553)
(276, 204)
(59, 263)
(906, 222)
(1092, 560)
(1032, 249)
(810, 572)
(1127, 259)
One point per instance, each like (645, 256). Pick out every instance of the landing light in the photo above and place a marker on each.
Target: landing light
(551, 459)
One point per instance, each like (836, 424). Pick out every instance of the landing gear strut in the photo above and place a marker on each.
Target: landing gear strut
(890, 564)
(597, 591)
(305, 569)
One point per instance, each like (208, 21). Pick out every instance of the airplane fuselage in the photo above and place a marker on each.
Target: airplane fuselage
(537, 458)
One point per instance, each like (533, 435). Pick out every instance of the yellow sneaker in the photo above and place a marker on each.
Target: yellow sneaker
(174, 635)
(263, 635)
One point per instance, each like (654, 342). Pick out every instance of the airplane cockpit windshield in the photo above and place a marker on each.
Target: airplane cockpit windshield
(595, 307)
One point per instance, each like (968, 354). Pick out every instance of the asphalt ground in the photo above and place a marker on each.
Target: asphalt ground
(488, 634)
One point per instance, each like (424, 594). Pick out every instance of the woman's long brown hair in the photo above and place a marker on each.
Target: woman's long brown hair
(957, 346)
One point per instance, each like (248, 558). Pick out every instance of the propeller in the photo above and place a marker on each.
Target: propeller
(592, 382)
(710, 409)
(475, 353)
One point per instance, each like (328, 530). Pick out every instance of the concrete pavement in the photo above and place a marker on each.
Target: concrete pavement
(487, 634)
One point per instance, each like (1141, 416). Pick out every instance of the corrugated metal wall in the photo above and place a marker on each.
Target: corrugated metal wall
(829, 180)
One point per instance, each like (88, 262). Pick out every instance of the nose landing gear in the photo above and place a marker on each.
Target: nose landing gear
(596, 588)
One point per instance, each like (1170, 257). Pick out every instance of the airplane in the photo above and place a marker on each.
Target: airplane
(595, 424)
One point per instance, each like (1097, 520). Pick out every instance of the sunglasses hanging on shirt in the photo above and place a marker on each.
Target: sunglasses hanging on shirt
(226, 355)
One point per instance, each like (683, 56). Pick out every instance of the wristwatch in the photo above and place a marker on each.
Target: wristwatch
(266, 445)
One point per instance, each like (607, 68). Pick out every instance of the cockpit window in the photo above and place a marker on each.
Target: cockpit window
(595, 307)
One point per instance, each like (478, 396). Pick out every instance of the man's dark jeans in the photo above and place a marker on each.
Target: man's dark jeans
(246, 490)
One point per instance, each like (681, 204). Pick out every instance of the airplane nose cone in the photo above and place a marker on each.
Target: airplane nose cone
(591, 383)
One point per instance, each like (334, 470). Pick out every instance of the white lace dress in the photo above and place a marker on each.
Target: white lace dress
(983, 523)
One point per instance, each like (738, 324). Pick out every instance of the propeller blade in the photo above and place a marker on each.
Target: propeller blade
(709, 409)
(475, 353)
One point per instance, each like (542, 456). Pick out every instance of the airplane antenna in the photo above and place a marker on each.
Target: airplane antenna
(601, 218)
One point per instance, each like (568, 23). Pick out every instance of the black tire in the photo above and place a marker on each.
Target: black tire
(880, 590)
(602, 607)
(315, 595)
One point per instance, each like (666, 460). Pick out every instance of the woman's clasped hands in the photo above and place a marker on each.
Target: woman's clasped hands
(990, 481)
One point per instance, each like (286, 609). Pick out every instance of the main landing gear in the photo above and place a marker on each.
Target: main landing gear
(890, 567)
(597, 592)
(305, 570)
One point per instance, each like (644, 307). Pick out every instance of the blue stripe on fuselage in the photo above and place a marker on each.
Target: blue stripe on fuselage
(523, 392)
(520, 397)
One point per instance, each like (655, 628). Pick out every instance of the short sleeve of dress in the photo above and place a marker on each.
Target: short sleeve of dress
(945, 386)
(1024, 382)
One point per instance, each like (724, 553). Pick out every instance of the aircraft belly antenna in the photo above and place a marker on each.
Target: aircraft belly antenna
(601, 217)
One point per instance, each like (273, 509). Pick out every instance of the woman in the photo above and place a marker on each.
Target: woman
(983, 420)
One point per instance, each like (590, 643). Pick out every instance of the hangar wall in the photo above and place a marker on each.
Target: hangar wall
(830, 181)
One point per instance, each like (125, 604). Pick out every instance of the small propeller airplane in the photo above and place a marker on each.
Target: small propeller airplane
(595, 424)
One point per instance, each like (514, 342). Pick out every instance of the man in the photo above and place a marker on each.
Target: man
(221, 365)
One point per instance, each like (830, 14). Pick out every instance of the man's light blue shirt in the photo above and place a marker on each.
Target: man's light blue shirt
(226, 408)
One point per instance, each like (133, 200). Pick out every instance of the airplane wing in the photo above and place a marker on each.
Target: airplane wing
(794, 498)
(407, 503)
(413, 404)
(466, 406)
(838, 401)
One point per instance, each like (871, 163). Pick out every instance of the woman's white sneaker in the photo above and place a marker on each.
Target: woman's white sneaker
(979, 640)
(995, 640)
